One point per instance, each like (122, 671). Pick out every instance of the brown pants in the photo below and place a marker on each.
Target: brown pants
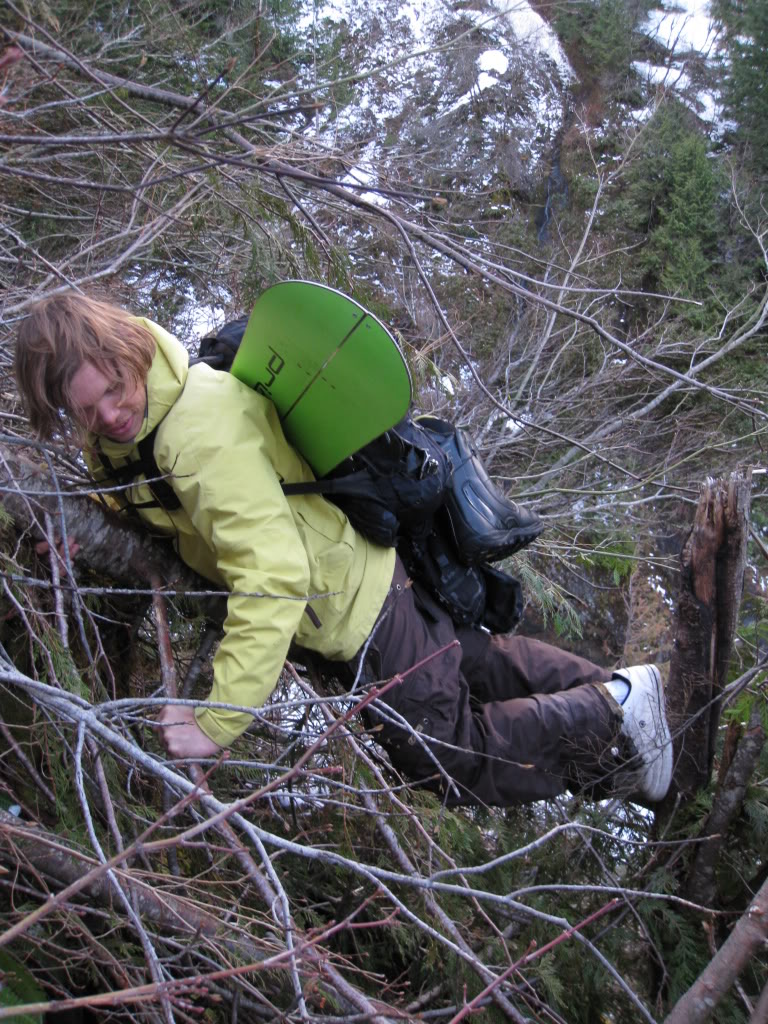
(495, 719)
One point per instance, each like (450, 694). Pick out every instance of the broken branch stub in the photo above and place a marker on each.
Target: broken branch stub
(712, 577)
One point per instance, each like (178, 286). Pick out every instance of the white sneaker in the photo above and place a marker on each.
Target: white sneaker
(645, 724)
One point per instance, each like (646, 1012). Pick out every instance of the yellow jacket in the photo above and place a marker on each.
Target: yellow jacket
(222, 445)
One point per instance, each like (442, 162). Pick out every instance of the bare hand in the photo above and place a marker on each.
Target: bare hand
(182, 736)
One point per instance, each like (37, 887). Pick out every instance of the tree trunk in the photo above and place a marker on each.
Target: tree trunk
(712, 577)
(112, 545)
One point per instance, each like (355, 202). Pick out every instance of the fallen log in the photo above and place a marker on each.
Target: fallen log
(23, 844)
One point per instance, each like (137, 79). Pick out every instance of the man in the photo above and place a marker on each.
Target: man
(494, 720)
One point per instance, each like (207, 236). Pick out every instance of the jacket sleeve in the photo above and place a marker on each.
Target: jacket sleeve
(219, 455)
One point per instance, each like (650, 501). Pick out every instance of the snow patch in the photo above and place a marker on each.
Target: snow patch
(409, 70)
(202, 320)
(493, 60)
(686, 27)
(531, 29)
(671, 77)
(656, 583)
(333, 12)
(363, 173)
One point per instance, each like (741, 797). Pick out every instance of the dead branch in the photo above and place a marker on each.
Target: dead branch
(27, 844)
(729, 799)
(746, 940)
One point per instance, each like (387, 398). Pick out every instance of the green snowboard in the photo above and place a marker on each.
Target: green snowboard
(334, 372)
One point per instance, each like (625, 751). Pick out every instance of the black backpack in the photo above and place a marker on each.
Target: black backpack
(390, 488)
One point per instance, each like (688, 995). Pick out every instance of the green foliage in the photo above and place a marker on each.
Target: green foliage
(554, 982)
(582, 189)
(52, 661)
(746, 95)
(616, 557)
(608, 35)
(682, 942)
(603, 32)
(548, 597)
(64, 670)
(741, 709)
(672, 195)
(648, 177)
(680, 249)
(756, 810)
(17, 987)
(452, 830)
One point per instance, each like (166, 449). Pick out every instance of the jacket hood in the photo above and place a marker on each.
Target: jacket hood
(165, 382)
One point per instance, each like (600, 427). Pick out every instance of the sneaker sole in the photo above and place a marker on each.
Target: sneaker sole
(657, 775)
(662, 776)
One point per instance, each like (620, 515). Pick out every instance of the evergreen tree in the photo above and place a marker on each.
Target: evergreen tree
(672, 196)
(682, 244)
(603, 31)
(746, 84)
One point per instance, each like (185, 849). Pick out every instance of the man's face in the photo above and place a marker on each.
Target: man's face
(105, 405)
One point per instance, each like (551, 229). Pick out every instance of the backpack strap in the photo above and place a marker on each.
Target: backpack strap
(351, 483)
(164, 495)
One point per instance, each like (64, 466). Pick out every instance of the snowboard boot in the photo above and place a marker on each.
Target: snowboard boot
(486, 525)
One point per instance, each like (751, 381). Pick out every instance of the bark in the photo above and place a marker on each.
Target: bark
(760, 1014)
(112, 546)
(712, 577)
(746, 939)
(24, 845)
(728, 802)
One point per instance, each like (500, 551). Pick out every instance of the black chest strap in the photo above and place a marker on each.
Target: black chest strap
(163, 494)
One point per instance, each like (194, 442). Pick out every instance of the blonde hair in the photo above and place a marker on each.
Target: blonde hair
(60, 334)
